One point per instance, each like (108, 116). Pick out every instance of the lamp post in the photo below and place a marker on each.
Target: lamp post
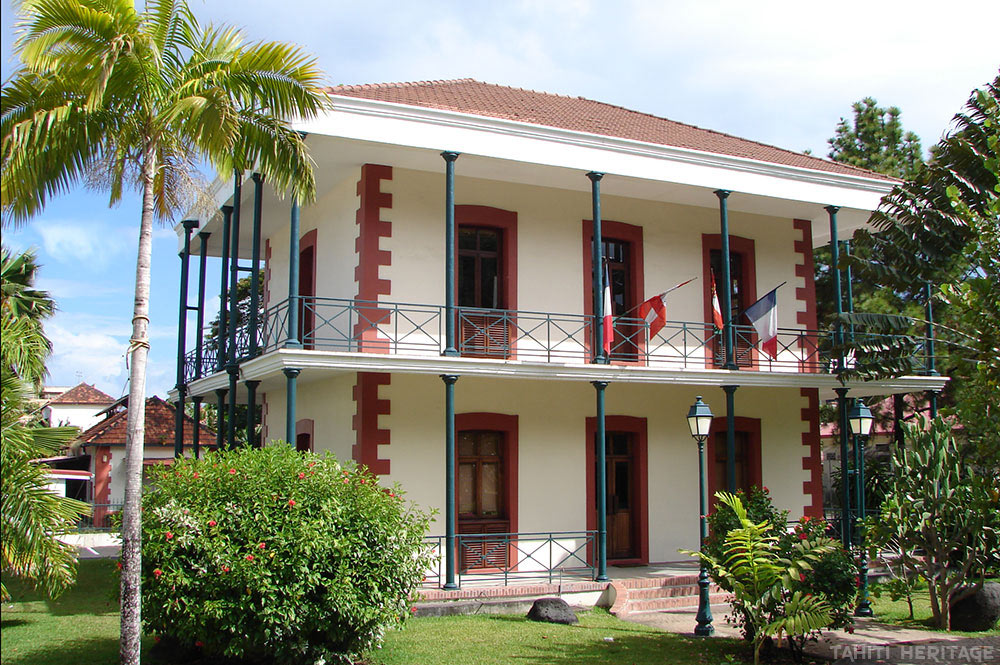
(700, 422)
(860, 419)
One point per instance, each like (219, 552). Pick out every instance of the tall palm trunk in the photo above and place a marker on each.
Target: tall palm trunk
(131, 611)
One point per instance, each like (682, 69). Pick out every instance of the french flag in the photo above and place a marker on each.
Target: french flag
(763, 314)
(609, 332)
(716, 308)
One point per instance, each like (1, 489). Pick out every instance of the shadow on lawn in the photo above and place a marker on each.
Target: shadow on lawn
(89, 650)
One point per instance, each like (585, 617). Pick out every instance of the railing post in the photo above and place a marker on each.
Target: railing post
(292, 341)
(189, 225)
(601, 486)
(223, 331)
(449, 479)
(727, 290)
(202, 265)
(252, 413)
(598, 268)
(291, 376)
(258, 197)
(450, 249)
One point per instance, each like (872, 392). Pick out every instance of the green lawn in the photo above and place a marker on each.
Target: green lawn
(492, 639)
(898, 613)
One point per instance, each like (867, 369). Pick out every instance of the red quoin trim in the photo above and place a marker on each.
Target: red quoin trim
(304, 430)
(622, 232)
(752, 427)
(371, 257)
(307, 285)
(806, 295)
(508, 424)
(637, 427)
(812, 458)
(368, 434)
(737, 245)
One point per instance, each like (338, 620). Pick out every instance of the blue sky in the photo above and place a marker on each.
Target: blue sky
(777, 72)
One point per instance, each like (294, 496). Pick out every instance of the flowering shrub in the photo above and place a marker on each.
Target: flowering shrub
(722, 520)
(276, 555)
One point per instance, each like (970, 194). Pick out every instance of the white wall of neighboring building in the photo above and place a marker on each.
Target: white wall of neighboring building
(118, 467)
(83, 416)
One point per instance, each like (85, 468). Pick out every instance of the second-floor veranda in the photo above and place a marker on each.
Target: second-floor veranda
(339, 328)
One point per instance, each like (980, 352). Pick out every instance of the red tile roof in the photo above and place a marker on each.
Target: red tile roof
(583, 115)
(83, 394)
(159, 428)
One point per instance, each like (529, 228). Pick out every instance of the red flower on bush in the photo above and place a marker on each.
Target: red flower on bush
(169, 535)
(363, 481)
(157, 573)
(857, 581)
(119, 565)
(301, 475)
(413, 610)
(195, 475)
(311, 464)
(262, 546)
(225, 569)
(212, 522)
(199, 644)
(291, 502)
(392, 495)
(249, 557)
(803, 536)
(766, 491)
(232, 471)
(802, 577)
(346, 480)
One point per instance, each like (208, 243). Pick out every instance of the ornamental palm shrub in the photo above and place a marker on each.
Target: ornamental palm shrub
(722, 520)
(764, 580)
(278, 556)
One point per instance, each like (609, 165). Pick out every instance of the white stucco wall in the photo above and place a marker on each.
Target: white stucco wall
(83, 416)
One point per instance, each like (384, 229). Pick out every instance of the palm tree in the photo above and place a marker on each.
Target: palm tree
(32, 516)
(128, 98)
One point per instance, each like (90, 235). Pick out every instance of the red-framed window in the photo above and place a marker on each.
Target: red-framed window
(743, 273)
(748, 455)
(622, 244)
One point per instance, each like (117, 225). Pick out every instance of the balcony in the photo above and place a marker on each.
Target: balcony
(356, 326)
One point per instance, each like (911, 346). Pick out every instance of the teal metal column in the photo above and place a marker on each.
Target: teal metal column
(601, 488)
(232, 364)
(291, 374)
(730, 437)
(450, 348)
(252, 413)
(449, 479)
(728, 334)
(199, 354)
(258, 197)
(223, 330)
(292, 341)
(931, 369)
(598, 269)
(196, 435)
(838, 295)
(849, 291)
(846, 519)
(220, 417)
(189, 225)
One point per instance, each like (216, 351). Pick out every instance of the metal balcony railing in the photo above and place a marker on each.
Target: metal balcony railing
(508, 558)
(333, 324)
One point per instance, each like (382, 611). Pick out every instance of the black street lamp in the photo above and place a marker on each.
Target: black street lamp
(861, 419)
(700, 422)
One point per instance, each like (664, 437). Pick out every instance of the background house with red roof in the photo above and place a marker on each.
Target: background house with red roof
(104, 442)
(79, 406)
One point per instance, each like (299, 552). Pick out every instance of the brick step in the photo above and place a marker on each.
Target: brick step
(650, 582)
(673, 602)
(667, 591)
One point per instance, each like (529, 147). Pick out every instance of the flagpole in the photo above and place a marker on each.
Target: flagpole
(658, 295)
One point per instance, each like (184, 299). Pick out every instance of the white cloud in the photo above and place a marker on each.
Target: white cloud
(81, 241)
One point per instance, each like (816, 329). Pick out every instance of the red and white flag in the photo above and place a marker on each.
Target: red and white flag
(607, 322)
(763, 314)
(654, 310)
(716, 309)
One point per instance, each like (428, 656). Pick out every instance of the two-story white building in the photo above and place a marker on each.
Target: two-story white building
(487, 394)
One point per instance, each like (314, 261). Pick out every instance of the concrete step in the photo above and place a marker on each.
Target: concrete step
(669, 591)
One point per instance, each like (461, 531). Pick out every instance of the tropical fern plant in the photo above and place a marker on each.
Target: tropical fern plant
(761, 579)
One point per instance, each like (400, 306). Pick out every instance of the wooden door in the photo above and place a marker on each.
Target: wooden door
(482, 503)
(621, 494)
(480, 280)
(744, 339)
(307, 296)
(625, 343)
